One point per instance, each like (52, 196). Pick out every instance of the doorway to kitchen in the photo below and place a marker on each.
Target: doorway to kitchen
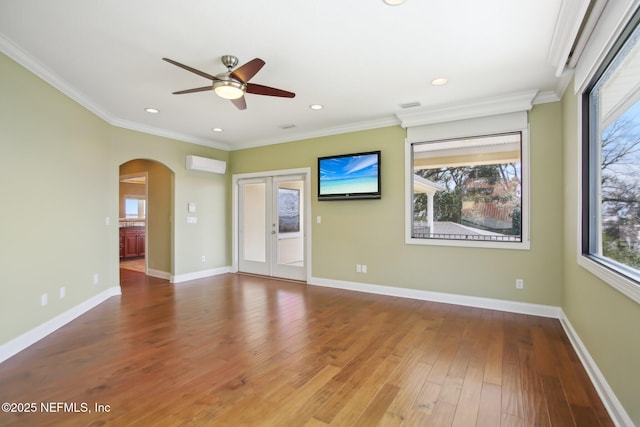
(271, 224)
(146, 200)
(132, 222)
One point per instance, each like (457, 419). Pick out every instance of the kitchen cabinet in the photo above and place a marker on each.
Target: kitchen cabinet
(121, 243)
(132, 242)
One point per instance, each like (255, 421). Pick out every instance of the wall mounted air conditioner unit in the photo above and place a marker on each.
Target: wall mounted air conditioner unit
(204, 164)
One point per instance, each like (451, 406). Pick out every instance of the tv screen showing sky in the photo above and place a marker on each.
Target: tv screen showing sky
(349, 174)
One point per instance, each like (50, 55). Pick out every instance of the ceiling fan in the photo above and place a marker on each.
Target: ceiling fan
(234, 84)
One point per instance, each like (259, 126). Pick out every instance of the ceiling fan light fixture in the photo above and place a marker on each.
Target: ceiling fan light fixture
(229, 89)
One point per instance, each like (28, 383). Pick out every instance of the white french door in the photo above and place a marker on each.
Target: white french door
(271, 234)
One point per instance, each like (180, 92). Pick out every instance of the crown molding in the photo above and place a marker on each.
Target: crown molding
(15, 52)
(521, 101)
(479, 108)
(169, 134)
(546, 97)
(336, 130)
(18, 54)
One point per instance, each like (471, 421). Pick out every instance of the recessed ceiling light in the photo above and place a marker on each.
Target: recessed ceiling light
(217, 129)
(439, 81)
(316, 107)
(152, 110)
(394, 2)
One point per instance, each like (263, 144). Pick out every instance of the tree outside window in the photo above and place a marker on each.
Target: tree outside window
(474, 186)
(611, 220)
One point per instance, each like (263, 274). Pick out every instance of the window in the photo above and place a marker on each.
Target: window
(611, 161)
(134, 207)
(468, 189)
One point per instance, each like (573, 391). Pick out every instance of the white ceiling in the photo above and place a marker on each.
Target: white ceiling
(361, 59)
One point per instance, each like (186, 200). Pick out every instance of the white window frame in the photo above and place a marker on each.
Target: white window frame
(483, 126)
(612, 23)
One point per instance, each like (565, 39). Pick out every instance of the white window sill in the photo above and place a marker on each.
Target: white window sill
(623, 284)
(469, 243)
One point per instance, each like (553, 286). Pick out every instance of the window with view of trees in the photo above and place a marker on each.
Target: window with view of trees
(611, 195)
(468, 189)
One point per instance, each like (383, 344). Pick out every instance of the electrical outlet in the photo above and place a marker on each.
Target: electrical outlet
(519, 284)
(204, 259)
(364, 268)
(44, 299)
(96, 278)
(63, 292)
(358, 268)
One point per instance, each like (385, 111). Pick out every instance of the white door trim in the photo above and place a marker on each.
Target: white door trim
(306, 172)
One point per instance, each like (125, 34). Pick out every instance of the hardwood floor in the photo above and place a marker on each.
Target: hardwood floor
(237, 350)
(138, 265)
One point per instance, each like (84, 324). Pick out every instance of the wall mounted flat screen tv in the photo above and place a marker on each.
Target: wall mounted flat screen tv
(349, 176)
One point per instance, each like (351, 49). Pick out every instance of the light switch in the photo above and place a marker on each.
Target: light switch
(191, 207)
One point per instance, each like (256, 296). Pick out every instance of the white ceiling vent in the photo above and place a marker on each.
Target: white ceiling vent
(410, 105)
(204, 164)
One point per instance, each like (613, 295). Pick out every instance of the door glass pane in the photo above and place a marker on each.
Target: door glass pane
(290, 245)
(253, 222)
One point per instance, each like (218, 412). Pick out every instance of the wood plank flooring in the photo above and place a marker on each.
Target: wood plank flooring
(137, 264)
(237, 350)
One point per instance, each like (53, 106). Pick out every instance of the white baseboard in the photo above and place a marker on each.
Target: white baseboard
(199, 274)
(609, 399)
(159, 274)
(469, 301)
(23, 341)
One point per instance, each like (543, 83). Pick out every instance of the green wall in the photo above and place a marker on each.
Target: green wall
(59, 182)
(59, 168)
(210, 236)
(605, 319)
(52, 183)
(371, 232)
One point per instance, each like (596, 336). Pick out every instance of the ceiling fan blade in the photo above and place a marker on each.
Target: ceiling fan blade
(245, 72)
(193, 70)
(241, 103)
(197, 89)
(269, 91)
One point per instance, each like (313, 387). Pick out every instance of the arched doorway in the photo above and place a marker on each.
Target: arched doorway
(145, 206)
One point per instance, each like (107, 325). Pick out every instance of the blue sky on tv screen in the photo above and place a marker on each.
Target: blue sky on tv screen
(349, 174)
(349, 167)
